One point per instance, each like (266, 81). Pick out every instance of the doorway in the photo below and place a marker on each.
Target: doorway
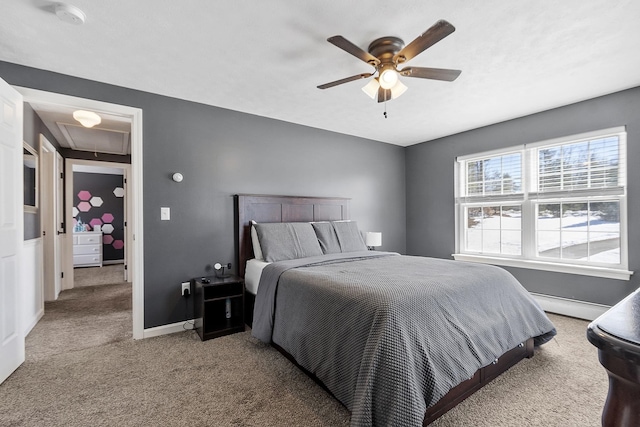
(99, 203)
(135, 268)
(103, 211)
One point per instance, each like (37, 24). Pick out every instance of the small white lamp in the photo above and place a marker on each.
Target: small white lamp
(373, 239)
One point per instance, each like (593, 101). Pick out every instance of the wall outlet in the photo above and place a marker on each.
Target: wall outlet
(186, 289)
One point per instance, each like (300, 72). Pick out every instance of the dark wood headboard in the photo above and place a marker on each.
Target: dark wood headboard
(251, 207)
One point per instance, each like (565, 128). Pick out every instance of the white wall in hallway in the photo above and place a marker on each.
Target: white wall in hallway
(31, 288)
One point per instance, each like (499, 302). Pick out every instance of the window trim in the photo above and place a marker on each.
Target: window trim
(529, 197)
(585, 270)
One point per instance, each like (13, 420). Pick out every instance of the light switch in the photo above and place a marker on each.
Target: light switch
(165, 214)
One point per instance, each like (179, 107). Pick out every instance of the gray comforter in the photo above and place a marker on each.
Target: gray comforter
(390, 335)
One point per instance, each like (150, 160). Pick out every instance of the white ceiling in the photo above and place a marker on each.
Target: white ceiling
(267, 57)
(111, 136)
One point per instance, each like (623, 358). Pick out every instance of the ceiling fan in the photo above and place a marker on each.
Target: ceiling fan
(386, 53)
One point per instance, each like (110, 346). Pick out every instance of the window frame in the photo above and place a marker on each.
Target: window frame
(528, 199)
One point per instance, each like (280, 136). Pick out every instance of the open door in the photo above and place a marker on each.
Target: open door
(11, 230)
(50, 219)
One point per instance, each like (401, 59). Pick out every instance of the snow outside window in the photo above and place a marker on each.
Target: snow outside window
(560, 203)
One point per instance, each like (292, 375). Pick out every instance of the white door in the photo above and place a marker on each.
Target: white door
(11, 229)
(49, 218)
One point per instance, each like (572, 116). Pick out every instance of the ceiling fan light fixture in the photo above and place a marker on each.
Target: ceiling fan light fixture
(398, 90)
(87, 119)
(371, 88)
(388, 78)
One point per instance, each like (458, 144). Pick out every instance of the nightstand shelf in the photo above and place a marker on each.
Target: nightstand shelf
(211, 306)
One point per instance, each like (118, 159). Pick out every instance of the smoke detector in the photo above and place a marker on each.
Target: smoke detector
(70, 14)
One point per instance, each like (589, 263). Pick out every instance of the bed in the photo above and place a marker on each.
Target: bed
(391, 350)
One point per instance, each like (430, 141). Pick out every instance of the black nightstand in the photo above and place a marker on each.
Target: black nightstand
(213, 296)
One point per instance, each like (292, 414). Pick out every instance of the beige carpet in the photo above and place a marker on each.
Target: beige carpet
(81, 318)
(92, 276)
(90, 374)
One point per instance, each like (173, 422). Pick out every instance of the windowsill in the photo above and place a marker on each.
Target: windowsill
(609, 273)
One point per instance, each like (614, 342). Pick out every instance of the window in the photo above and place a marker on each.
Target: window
(557, 205)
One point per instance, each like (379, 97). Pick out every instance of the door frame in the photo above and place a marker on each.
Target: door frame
(135, 187)
(68, 174)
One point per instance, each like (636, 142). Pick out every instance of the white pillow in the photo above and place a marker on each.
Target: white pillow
(257, 250)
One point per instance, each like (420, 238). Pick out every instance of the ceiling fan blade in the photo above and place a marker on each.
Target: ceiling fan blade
(433, 35)
(345, 80)
(431, 73)
(354, 50)
(384, 94)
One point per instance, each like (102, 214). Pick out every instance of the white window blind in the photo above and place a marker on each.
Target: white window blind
(553, 202)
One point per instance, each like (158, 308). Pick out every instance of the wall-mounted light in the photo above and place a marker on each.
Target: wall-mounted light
(87, 119)
(373, 239)
(177, 177)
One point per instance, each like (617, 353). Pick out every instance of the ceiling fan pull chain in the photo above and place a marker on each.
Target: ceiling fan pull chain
(385, 108)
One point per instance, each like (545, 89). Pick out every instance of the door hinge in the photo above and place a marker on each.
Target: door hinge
(125, 180)
(61, 175)
(62, 274)
(44, 233)
(125, 266)
(125, 223)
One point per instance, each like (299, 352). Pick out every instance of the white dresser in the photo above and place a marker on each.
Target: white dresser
(87, 249)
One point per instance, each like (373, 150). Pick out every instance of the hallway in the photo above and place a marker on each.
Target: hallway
(96, 312)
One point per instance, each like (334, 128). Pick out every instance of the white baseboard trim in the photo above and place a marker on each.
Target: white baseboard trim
(570, 307)
(34, 322)
(167, 329)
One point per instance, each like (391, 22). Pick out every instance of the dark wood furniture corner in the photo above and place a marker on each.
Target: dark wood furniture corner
(211, 319)
(617, 335)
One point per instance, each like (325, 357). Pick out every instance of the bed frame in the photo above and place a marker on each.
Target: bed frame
(306, 209)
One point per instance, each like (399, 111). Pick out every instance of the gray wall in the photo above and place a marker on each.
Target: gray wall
(430, 187)
(221, 153)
